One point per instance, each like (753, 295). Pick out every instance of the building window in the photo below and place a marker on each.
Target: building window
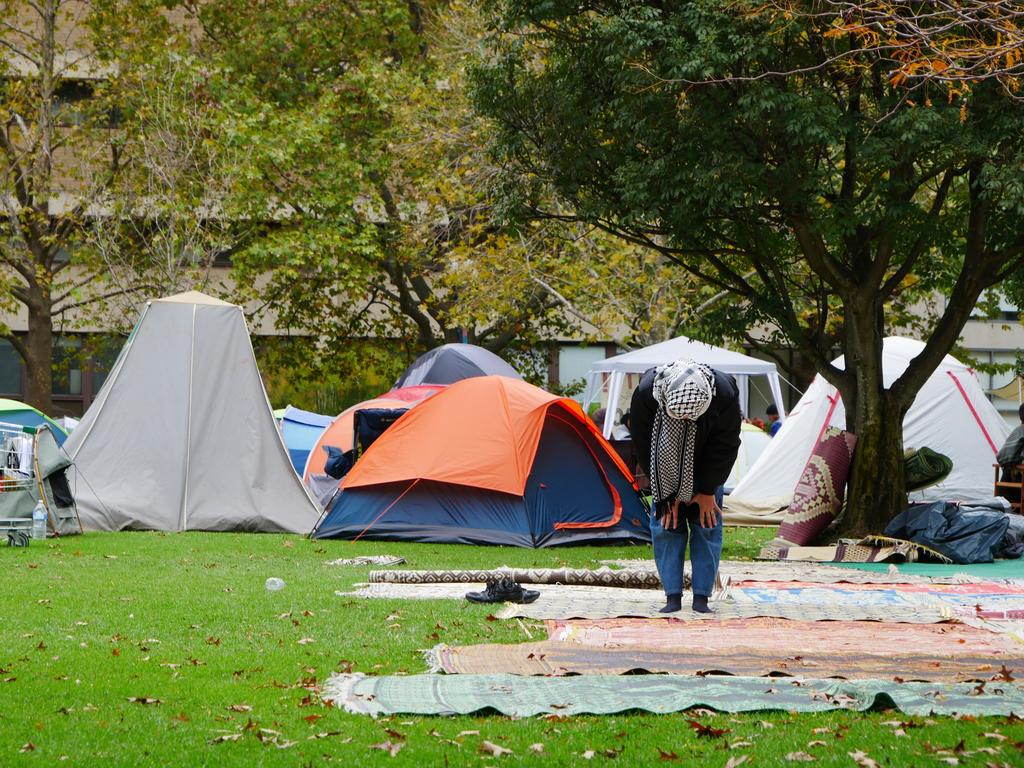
(67, 366)
(69, 102)
(10, 371)
(104, 355)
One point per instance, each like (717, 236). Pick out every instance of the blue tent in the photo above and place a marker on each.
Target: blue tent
(438, 474)
(300, 430)
(23, 415)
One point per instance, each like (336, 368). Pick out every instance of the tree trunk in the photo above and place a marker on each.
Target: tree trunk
(39, 353)
(875, 493)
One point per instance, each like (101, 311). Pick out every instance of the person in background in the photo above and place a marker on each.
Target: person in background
(1012, 452)
(774, 425)
(685, 419)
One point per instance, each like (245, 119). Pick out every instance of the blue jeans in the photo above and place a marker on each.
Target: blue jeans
(705, 552)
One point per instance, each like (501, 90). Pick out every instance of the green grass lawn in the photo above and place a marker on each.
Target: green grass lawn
(166, 649)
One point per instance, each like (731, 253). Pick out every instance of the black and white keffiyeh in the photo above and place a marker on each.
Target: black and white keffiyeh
(684, 390)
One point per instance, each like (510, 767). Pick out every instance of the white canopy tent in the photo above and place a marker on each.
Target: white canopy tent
(950, 415)
(617, 376)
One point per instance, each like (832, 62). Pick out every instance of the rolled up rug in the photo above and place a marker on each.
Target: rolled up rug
(819, 494)
(923, 467)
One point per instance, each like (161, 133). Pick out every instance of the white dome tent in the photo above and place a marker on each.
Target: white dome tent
(950, 415)
(617, 376)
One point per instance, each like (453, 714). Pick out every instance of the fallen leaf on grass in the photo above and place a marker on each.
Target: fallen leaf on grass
(589, 754)
(740, 744)
(766, 724)
(392, 748)
(146, 700)
(800, 757)
(667, 755)
(226, 737)
(467, 733)
(537, 748)
(239, 708)
(706, 730)
(311, 719)
(733, 762)
(28, 746)
(181, 717)
(496, 750)
(816, 743)
(306, 641)
(996, 736)
(862, 759)
(328, 734)
(213, 640)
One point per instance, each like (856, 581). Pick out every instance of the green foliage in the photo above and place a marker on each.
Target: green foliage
(292, 374)
(779, 161)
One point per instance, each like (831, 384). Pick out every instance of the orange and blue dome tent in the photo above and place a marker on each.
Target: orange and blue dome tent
(490, 460)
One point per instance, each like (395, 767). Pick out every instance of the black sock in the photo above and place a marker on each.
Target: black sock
(673, 603)
(700, 604)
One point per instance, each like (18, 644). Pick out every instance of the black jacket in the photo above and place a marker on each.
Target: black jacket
(718, 430)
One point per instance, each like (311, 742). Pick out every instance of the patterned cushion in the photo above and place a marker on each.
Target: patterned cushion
(819, 494)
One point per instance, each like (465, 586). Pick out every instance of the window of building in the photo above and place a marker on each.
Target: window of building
(67, 366)
(69, 102)
(574, 364)
(10, 371)
(103, 358)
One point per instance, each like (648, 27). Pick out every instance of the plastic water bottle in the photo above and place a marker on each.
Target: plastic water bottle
(39, 521)
(274, 584)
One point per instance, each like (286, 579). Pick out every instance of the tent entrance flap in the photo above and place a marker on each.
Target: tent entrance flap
(616, 499)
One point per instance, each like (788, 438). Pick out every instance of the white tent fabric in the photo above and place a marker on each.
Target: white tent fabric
(753, 442)
(181, 436)
(950, 415)
(617, 376)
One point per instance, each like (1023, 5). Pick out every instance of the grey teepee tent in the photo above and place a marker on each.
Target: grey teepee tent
(181, 436)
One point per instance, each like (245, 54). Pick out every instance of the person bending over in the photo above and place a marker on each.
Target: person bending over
(685, 419)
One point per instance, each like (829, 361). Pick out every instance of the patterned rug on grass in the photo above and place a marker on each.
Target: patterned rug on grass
(987, 600)
(554, 658)
(820, 573)
(819, 492)
(782, 638)
(563, 606)
(632, 578)
(458, 592)
(368, 560)
(518, 696)
(844, 552)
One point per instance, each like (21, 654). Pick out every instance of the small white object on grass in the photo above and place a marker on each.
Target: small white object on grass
(274, 584)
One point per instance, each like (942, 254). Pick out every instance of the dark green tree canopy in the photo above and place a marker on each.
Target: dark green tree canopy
(778, 155)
